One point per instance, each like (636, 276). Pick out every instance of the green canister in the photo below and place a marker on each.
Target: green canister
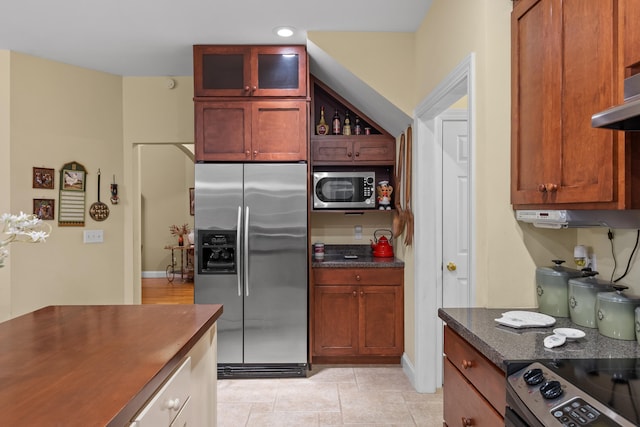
(552, 285)
(582, 299)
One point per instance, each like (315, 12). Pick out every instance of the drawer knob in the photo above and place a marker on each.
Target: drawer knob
(467, 421)
(361, 293)
(358, 277)
(173, 404)
(466, 364)
(355, 294)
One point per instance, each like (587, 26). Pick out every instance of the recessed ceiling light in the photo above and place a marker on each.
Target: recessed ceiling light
(284, 31)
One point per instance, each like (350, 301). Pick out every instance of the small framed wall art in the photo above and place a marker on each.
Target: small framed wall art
(43, 178)
(44, 208)
(71, 204)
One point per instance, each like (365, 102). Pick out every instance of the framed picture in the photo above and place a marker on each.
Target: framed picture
(72, 180)
(192, 204)
(43, 178)
(44, 208)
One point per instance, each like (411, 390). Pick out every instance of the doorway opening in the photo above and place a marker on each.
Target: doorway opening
(428, 246)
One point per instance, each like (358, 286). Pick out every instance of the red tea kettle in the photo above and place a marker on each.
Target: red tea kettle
(381, 247)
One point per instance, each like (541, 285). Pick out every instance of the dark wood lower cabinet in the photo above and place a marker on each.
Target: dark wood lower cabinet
(358, 315)
(474, 388)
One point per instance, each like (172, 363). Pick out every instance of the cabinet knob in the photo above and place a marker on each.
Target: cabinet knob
(254, 88)
(247, 153)
(467, 422)
(552, 188)
(173, 404)
(349, 154)
(542, 188)
(255, 153)
(355, 294)
(357, 154)
(466, 364)
(361, 293)
(246, 88)
(358, 277)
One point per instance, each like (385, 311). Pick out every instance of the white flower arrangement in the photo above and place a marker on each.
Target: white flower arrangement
(27, 228)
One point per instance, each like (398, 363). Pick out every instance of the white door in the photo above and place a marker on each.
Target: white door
(455, 210)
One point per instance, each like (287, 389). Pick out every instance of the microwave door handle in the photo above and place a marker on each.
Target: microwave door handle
(238, 236)
(246, 251)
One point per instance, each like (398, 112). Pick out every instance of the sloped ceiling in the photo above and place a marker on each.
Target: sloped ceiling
(357, 92)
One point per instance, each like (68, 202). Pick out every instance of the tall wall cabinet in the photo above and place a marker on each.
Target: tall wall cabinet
(251, 103)
(568, 62)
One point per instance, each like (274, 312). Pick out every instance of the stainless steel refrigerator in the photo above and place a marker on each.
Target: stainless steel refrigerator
(251, 257)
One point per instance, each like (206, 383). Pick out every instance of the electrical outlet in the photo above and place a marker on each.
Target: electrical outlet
(93, 236)
(358, 232)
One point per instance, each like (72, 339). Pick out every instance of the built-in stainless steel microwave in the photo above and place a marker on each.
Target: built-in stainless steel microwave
(344, 190)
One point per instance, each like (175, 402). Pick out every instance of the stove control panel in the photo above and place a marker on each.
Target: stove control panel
(555, 401)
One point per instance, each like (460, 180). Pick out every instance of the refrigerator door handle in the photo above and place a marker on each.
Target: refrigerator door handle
(246, 251)
(238, 236)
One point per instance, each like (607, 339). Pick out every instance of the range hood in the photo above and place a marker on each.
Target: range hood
(580, 218)
(626, 116)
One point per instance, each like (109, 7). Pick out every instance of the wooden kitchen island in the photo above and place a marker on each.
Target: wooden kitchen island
(99, 365)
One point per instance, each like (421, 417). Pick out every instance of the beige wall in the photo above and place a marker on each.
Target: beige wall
(60, 113)
(153, 114)
(5, 172)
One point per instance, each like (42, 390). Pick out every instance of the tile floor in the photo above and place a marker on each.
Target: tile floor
(363, 396)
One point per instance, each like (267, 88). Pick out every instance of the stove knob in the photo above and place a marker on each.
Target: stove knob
(551, 389)
(533, 376)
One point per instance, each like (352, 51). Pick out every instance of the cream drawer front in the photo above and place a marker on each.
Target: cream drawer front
(169, 400)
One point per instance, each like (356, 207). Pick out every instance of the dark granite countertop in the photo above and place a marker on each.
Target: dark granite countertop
(502, 344)
(334, 257)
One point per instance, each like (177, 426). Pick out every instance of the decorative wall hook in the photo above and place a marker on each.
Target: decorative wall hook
(114, 192)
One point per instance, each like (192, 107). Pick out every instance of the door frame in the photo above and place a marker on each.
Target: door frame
(427, 182)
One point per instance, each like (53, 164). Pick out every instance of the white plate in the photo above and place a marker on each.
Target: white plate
(569, 333)
(525, 319)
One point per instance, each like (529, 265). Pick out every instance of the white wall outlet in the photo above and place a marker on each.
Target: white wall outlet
(357, 232)
(93, 236)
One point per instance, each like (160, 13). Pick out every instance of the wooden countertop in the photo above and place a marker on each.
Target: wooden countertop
(92, 365)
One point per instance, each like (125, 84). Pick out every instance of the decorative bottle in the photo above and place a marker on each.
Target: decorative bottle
(358, 127)
(322, 128)
(337, 125)
(346, 128)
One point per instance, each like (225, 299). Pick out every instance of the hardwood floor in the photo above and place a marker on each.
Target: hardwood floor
(160, 291)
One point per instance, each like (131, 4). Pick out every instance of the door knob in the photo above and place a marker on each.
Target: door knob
(451, 267)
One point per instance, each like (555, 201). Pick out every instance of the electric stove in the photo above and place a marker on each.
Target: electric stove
(574, 392)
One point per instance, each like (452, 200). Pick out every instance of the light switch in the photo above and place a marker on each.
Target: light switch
(93, 236)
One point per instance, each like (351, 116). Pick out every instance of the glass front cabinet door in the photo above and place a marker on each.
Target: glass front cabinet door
(278, 71)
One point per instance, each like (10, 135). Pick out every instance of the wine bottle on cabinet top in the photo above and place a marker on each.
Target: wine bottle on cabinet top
(322, 128)
(346, 128)
(337, 125)
(357, 127)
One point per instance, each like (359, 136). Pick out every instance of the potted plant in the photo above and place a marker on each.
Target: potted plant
(180, 231)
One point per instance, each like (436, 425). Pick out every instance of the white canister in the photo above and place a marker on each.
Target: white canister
(318, 251)
(615, 314)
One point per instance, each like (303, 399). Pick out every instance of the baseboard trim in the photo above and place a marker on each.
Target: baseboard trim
(153, 274)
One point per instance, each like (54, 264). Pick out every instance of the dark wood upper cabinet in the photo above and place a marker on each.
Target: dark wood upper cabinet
(567, 64)
(238, 70)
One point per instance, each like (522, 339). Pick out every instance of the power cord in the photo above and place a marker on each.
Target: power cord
(630, 257)
(613, 254)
